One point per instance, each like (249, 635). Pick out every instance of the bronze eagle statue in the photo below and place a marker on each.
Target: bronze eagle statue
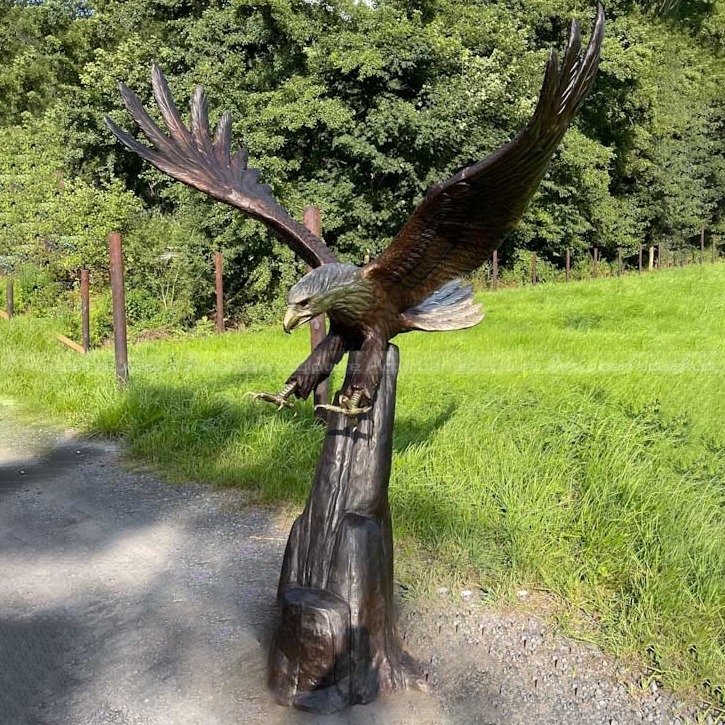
(415, 283)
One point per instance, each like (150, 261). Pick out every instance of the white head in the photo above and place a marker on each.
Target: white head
(317, 292)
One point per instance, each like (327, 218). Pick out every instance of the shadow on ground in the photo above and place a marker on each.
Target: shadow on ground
(207, 434)
(126, 600)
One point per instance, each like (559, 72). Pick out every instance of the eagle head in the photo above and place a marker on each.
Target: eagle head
(330, 287)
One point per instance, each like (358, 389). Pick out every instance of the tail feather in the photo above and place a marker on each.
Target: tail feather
(451, 307)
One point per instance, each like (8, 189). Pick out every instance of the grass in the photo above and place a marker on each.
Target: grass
(574, 442)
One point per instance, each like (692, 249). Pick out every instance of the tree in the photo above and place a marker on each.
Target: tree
(360, 107)
(44, 46)
(48, 220)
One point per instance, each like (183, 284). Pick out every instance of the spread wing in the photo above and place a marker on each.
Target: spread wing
(462, 220)
(206, 164)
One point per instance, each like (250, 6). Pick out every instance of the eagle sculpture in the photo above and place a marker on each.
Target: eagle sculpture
(415, 283)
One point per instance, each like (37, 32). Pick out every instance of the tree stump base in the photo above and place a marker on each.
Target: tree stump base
(337, 643)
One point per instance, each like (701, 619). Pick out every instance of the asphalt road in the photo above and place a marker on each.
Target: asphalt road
(128, 601)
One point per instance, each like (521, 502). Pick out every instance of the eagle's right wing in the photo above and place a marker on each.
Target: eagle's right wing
(206, 164)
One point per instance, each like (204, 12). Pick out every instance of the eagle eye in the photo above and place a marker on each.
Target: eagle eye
(304, 303)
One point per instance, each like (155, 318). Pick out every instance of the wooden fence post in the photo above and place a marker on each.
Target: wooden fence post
(596, 262)
(9, 298)
(713, 249)
(533, 268)
(639, 260)
(494, 281)
(313, 221)
(567, 264)
(619, 261)
(702, 245)
(219, 285)
(115, 254)
(85, 310)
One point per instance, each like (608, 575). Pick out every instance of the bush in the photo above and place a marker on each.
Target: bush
(35, 290)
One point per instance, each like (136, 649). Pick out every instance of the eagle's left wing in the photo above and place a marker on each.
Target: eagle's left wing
(462, 220)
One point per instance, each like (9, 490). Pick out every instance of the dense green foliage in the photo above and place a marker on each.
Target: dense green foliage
(353, 107)
(573, 443)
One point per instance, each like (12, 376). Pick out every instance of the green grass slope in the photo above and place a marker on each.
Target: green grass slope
(574, 441)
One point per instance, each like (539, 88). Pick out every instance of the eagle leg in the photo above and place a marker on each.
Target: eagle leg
(363, 376)
(310, 373)
(318, 366)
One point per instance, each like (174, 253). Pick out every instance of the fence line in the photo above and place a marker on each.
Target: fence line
(659, 258)
(116, 272)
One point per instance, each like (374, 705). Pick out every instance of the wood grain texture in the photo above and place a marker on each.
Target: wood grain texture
(337, 643)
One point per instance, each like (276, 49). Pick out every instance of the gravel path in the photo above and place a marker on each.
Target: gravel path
(127, 601)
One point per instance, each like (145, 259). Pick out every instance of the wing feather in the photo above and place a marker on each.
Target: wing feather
(462, 220)
(192, 157)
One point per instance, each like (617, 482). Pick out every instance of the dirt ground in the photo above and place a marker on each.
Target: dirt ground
(128, 601)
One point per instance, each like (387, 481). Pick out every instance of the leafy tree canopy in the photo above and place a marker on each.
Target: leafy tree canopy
(358, 108)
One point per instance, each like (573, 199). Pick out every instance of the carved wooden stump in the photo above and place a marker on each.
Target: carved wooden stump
(337, 642)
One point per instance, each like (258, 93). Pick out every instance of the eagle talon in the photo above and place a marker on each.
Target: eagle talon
(275, 398)
(349, 412)
(348, 406)
(281, 400)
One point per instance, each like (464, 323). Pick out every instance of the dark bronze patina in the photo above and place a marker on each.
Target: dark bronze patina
(337, 643)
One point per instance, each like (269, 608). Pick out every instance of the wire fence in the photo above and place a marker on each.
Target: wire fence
(531, 268)
(525, 268)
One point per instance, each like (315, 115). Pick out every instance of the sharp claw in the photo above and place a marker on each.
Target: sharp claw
(281, 401)
(353, 412)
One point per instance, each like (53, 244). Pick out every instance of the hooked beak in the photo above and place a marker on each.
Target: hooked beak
(294, 318)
